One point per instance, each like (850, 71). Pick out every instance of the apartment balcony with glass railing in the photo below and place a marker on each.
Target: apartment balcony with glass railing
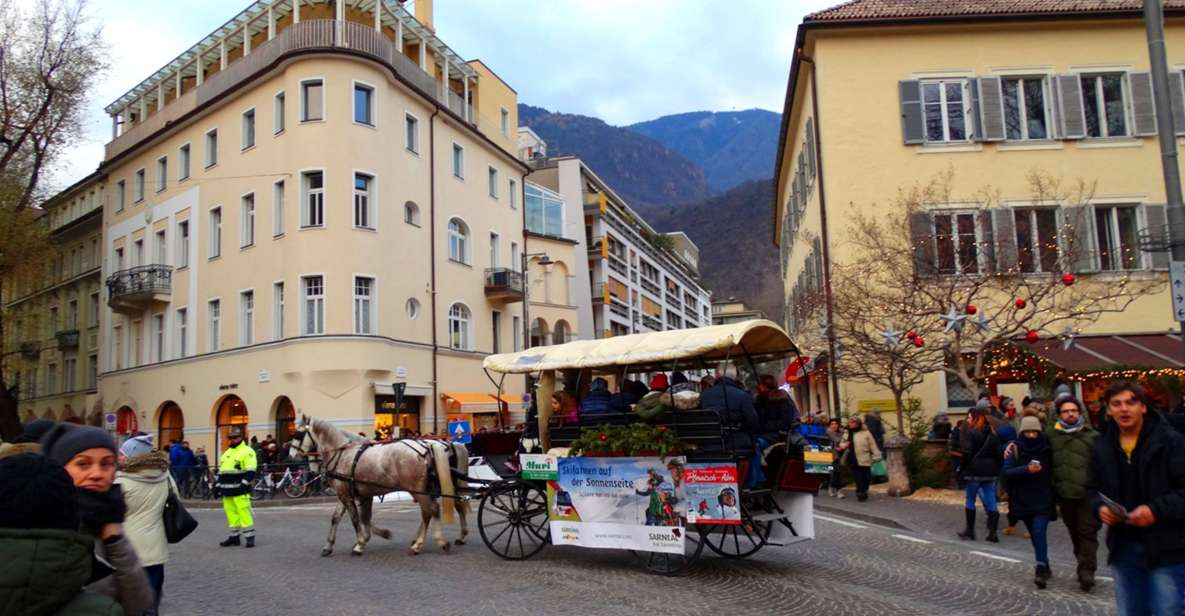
(135, 289)
(504, 285)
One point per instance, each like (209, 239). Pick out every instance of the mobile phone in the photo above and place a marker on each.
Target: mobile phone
(1119, 510)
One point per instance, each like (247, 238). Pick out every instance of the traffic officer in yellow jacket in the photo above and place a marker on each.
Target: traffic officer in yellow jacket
(236, 471)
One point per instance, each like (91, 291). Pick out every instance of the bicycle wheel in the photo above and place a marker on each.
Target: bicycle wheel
(260, 489)
(512, 519)
(295, 488)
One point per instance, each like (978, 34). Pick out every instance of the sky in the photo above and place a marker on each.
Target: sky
(623, 61)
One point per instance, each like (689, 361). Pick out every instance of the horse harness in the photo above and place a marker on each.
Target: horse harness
(420, 447)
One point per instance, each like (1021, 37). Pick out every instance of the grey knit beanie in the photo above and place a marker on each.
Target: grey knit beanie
(66, 440)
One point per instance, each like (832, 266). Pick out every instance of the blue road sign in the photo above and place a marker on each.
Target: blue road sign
(460, 432)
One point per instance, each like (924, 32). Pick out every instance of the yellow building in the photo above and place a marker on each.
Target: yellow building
(315, 206)
(55, 320)
(885, 95)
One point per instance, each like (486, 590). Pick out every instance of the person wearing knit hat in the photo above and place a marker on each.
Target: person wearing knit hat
(1028, 466)
(146, 483)
(1072, 439)
(136, 446)
(66, 440)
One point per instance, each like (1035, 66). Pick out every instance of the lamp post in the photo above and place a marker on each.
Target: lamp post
(544, 261)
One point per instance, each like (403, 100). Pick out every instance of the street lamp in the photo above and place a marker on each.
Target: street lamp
(545, 261)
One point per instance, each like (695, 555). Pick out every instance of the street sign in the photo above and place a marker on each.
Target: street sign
(109, 420)
(1177, 287)
(460, 432)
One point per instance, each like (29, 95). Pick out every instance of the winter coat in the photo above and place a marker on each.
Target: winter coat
(43, 574)
(127, 582)
(1029, 493)
(876, 428)
(861, 444)
(981, 453)
(1071, 459)
(775, 415)
(597, 402)
(1158, 466)
(734, 404)
(16, 449)
(146, 483)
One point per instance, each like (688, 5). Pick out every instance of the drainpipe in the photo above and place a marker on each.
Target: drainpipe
(432, 258)
(831, 342)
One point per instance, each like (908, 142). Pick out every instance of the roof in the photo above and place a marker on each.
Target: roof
(756, 338)
(867, 10)
(1105, 352)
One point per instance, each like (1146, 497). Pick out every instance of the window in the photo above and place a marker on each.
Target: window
(945, 104)
(363, 202)
(513, 194)
(458, 241)
(51, 379)
(412, 308)
(70, 374)
(956, 242)
(162, 248)
(247, 318)
(458, 161)
(314, 199)
(458, 327)
(496, 324)
(1115, 230)
(278, 111)
(312, 101)
(1024, 108)
(493, 250)
(363, 305)
(162, 173)
(493, 182)
(211, 148)
(72, 314)
(53, 322)
(1103, 104)
(182, 332)
(183, 243)
(516, 327)
(213, 313)
(505, 122)
(92, 367)
(137, 343)
(137, 253)
(118, 259)
(158, 337)
(93, 320)
(363, 104)
(183, 162)
(313, 289)
(278, 311)
(215, 232)
(514, 256)
(1037, 240)
(247, 224)
(120, 195)
(117, 357)
(278, 208)
(411, 213)
(138, 187)
(248, 140)
(411, 130)
(545, 212)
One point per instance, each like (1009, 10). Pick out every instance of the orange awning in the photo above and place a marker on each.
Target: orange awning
(470, 402)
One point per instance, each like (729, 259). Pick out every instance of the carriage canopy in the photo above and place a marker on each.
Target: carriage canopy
(758, 339)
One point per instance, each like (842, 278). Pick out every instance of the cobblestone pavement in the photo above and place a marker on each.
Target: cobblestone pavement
(853, 567)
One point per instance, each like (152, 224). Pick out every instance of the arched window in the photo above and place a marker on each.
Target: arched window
(458, 241)
(459, 328)
(413, 308)
(562, 333)
(411, 213)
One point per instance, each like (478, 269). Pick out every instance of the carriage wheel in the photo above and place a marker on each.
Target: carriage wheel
(663, 563)
(512, 519)
(737, 540)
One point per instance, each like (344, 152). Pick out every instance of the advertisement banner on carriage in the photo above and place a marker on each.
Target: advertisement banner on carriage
(712, 494)
(539, 466)
(621, 503)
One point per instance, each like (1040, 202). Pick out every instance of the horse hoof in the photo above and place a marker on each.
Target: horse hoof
(411, 552)
(355, 553)
(326, 552)
(445, 547)
(459, 542)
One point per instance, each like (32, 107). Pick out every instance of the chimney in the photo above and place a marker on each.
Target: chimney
(423, 10)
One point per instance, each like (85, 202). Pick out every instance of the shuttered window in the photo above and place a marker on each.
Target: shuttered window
(1025, 115)
(956, 242)
(1115, 234)
(1037, 240)
(1103, 102)
(944, 104)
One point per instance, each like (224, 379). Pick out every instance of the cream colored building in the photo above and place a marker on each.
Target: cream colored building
(314, 205)
(883, 95)
(733, 310)
(55, 320)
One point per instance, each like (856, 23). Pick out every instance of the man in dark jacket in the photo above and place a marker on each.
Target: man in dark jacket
(735, 407)
(776, 413)
(1137, 486)
(876, 427)
(598, 401)
(1072, 439)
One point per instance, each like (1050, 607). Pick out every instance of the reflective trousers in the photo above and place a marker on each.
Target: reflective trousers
(238, 514)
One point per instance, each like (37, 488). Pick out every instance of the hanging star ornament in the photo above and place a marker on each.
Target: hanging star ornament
(839, 351)
(824, 328)
(891, 336)
(1067, 338)
(981, 323)
(953, 319)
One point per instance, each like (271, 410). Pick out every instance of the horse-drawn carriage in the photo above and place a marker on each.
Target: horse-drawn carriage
(704, 499)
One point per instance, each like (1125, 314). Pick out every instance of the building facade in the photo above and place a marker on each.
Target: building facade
(992, 94)
(733, 310)
(312, 210)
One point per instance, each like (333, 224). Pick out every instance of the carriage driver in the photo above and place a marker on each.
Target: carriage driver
(236, 471)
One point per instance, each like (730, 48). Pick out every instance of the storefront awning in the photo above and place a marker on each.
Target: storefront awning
(470, 403)
(1105, 351)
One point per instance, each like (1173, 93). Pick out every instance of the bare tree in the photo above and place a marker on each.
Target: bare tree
(50, 58)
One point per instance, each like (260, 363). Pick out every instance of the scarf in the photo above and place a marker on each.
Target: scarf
(1071, 428)
(157, 460)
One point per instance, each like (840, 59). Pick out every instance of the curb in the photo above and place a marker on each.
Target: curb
(863, 517)
(216, 503)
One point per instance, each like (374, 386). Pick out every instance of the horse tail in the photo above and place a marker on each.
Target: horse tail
(445, 476)
(463, 466)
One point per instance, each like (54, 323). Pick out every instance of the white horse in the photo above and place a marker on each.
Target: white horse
(382, 468)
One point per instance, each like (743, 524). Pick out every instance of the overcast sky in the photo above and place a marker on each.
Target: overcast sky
(623, 61)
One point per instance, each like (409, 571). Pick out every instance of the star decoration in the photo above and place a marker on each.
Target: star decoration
(839, 351)
(981, 323)
(824, 328)
(953, 319)
(1067, 338)
(891, 336)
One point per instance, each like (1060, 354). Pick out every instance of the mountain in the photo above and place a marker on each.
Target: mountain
(643, 171)
(731, 146)
(737, 258)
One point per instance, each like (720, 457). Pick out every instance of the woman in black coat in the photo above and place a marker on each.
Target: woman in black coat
(1028, 465)
(980, 467)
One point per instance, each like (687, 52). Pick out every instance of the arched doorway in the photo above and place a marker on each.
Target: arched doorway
(232, 411)
(285, 414)
(562, 332)
(539, 333)
(170, 424)
(125, 421)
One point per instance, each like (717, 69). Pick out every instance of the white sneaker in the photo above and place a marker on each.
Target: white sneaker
(831, 491)
(839, 495)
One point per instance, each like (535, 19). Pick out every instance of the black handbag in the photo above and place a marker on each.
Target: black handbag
(178, 523)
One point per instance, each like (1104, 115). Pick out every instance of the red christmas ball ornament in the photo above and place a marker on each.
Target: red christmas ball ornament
(1032, 336)
(971, 309)
(1067, 279)
(1021, 303)
(911, 334)
(662, 428)
(919, 341)
(603, 438)
(1030, 362)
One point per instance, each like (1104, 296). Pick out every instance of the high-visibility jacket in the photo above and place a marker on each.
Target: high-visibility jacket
(236, 470)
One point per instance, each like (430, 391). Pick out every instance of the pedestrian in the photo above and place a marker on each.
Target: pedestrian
(940, 428)
(956, 455)
(981, 451)
(1137, 486)
(835, 435)
(861, 453)
(1028, 464)
(29, 440)
(876, 428)
(236, 471)
(88, 455)
(47, 561)
(1072, 439)
(144, 476)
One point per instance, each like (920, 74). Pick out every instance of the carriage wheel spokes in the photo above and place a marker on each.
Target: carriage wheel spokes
(665, 563)
(738, 540)
(512, 520)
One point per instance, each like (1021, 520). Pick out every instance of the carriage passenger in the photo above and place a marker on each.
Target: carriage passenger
(598, 401)
(563, 409)
(776, 413)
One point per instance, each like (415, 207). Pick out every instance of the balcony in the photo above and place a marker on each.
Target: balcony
(133, 290)
(594, 246)
(674, 302)
(30, 350)
(504, 285)
(650, 286)
(619, 310)
(67, 339)
(598, 293)
(652, 322)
